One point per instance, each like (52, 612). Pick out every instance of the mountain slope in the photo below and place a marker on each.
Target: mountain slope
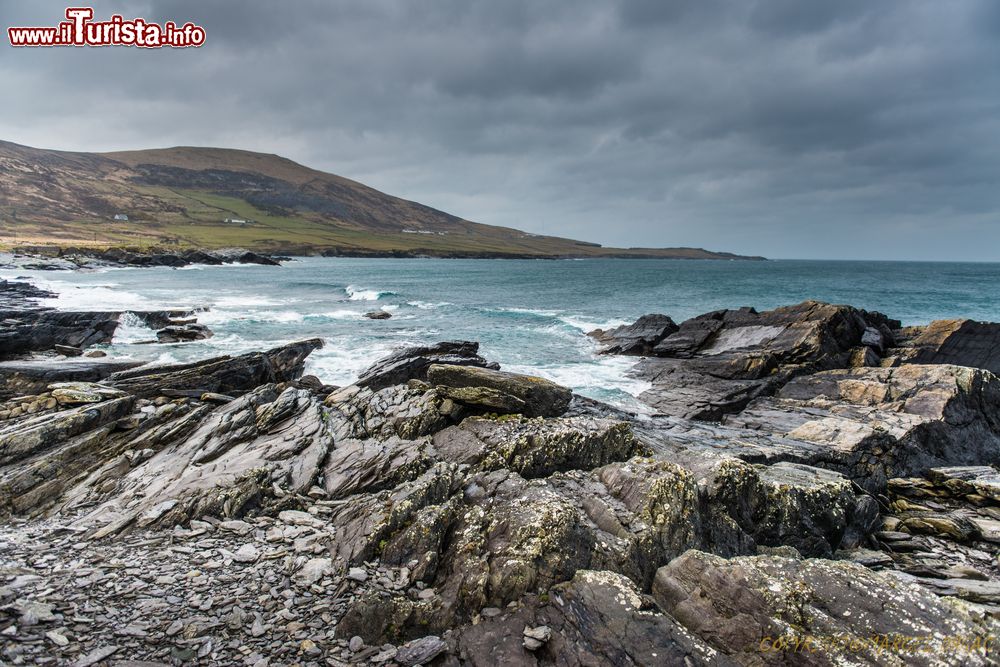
(212, 197)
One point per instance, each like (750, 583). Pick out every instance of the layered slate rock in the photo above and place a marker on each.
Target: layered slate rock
(178, 333)
(716, 363)
(638, 338)
(78, 450)
(411, 363)
(536, 447)
(18, 295)
(403, 411)
(262, 444)
(425, 516)
(32, 377)
(484, 539)
(22, 332)
(498, 391)
(597, 618)
(219, 375)
(959, 342)
(877, 423)
(777, 611)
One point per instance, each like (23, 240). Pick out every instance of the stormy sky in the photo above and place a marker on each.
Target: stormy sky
(788, 128)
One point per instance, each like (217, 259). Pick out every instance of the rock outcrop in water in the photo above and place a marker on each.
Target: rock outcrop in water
(54, 258)
(815, 485)
(27, 327)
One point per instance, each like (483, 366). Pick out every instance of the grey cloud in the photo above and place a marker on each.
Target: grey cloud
(778, 127)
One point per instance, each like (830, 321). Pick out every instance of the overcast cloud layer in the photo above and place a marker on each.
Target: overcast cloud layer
(787, 128)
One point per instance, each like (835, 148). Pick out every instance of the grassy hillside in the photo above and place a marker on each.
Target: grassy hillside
(213, 198)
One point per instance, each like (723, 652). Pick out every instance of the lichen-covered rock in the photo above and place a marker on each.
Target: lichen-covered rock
(24, 438)
(981, 481)
(790, 504)
(77, 393)
(771, 610)
(532, 396)
(395, 411)
(877, 423)
(411, 363)
(537, 447)
(236, 459)
(34, 376)
(364, 466)
(596, 618)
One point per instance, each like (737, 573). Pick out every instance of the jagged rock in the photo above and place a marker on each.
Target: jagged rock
(360, 413)
(638, 338)
(537, 447)
(525, 539)
(790, 504)
(597, 618)
(958, 342)
(718, 362)
(500, 391)
(969, 480)
(420, 651)
(92, 459)
(876, 423)
(38, 330)
(22, 439)
(32, 377)
(378, 315)
(763, 610)
(221, 375)
(201, 257)
(364, 466)
(231, 462)
(17, 295)
(411, 363)
(244, 256)
(183, 332)
(76, 393)
(29, 331)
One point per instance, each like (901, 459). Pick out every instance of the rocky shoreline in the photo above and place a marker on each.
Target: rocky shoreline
(816, 485)
(70, 258)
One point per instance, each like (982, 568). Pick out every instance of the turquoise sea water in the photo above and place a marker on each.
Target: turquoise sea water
(528, 315)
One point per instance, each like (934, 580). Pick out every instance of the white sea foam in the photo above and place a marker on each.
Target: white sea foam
(586, 325)
(361, 294)
(339, 363)
(605, 379)
(530, 311)
(102, 297)
(427, 305)
(131, 329)
(237, 301)
(341, 314)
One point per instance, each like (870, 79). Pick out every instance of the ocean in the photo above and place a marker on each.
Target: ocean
(529, 315)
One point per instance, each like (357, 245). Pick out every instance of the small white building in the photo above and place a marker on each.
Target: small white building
(237, 221)
(121, 217)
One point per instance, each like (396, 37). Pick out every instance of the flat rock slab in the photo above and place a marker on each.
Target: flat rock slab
(32, 377)
(761, 610)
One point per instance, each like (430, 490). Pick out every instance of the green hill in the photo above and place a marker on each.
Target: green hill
(212, 198)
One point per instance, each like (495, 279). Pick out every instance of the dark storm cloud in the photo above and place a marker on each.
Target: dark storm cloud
(778, 127)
